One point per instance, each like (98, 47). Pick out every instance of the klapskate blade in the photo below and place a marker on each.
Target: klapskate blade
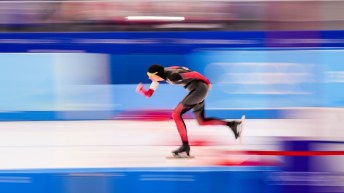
(180, 157)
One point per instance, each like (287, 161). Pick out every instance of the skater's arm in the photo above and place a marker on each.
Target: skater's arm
(195, 75)
(147, 93)
(174, 77)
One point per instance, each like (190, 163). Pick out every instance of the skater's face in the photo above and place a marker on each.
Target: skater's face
(154, 77)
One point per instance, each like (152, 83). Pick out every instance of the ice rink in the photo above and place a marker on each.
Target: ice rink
(117, 143)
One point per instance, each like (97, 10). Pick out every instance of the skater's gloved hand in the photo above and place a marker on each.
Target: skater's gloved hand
(139, 87)
(147, 93)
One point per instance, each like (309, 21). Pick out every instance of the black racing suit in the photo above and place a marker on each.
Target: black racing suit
(198, 86)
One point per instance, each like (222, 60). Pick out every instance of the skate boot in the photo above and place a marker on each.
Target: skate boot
(184, 148)
(234, 127)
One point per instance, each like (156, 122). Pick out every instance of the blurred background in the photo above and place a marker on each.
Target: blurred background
(72, 122)
(112, 15)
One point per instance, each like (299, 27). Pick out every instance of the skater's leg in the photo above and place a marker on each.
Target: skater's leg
(199, 114)
(178, 119)
(197, 92)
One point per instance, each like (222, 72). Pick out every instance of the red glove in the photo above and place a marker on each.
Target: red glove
(147, 93)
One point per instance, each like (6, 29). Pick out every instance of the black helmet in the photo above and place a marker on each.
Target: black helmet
(158, 70)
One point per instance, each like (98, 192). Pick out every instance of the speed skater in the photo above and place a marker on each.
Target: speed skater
(198, 87)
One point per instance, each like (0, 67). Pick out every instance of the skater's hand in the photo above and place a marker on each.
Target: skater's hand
(139, 87)
(209, 86)
(147, 93)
